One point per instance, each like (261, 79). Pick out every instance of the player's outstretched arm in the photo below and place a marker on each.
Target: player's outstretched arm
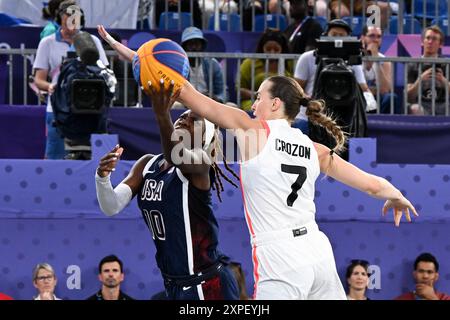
(222, 115)
(375, 186)
(122, 50)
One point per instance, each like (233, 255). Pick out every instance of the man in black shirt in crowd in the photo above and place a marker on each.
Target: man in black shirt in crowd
(110, 274)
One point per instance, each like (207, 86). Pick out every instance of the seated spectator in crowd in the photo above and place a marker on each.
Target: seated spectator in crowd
(426, 274)
(357, 280)
(342, 8)
(432, 42)
(257, 7)
(318, 8)
(172, 6)
(240, 279)
(225, 6)
(110, 274)
(192, 40)
(5, 297)
(49, 12)
(44, 280)
(272, 42)
(303, 31)
(378, 73)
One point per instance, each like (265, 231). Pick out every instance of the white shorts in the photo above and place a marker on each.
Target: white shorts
(288, 267)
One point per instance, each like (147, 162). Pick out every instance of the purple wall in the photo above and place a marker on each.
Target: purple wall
(49, 212)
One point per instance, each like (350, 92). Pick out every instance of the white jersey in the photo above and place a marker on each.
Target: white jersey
(278, 185)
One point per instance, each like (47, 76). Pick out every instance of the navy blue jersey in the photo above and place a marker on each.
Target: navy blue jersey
(180, 218)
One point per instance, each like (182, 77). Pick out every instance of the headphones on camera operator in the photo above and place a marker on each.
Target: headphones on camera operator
(70, 8)
(336, 84)
(83, 93)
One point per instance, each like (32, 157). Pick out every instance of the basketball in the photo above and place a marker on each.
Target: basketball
(160, 59)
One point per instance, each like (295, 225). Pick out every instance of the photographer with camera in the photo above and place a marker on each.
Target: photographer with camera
(306, 67)
(49, 57)
(334, 73)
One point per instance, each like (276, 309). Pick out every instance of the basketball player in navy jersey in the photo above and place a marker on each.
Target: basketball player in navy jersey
(175, 200)
(292, 258)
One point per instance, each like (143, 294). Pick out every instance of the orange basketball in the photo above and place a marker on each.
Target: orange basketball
(161, 59)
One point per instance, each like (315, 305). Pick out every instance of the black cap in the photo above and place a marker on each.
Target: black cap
(338, 23)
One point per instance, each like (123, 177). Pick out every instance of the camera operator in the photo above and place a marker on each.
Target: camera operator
(305, 70)
(49, 57)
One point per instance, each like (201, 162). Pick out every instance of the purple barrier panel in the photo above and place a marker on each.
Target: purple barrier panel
(426, 186)
(75, 246)
(22, 132)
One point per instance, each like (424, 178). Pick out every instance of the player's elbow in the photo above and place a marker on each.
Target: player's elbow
(108, 211)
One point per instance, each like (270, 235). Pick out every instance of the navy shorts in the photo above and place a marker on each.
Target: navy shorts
(222, 286)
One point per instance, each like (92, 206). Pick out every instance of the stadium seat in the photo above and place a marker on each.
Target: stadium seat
(430, 8)
(443, 23)
(235, 22)
(322, 21)
(175, 20)
(263, 21)
(410, 25)
(356, 23)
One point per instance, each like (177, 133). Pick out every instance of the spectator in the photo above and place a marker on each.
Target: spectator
(192, 40)
(432, 41)
(426, 274)
(378, 72)
(342, 8)
(49, 56)
(5, 297)
(225, 6)
(272, 42)
(258, 7)
(318, 8)
(110, 274)
(357, 280)
(49, 13)
(44, 280)
(303, 31)
(172, 6)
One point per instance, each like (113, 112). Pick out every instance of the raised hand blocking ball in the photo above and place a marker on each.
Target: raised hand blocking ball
(161, 59)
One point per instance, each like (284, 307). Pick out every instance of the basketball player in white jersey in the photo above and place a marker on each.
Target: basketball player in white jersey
(292, 258)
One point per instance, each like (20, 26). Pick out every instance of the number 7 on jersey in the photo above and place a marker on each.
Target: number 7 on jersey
(297, 185)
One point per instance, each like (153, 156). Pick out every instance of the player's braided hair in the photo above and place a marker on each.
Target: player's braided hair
(293, 96)
(218, 173)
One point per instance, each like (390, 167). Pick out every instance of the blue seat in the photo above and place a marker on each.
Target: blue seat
(234, 21)
(410, 25)
(430, 8)
(263, 21)
(356, 23)
(175, 20)
(443, 23)
(322, 21)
